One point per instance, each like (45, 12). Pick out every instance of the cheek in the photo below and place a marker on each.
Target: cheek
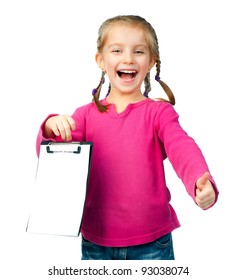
(145, 67)
(110, 66)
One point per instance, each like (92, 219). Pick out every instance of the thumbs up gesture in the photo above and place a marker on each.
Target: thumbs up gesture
(205, 194)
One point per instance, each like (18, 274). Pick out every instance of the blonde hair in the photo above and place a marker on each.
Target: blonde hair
(151, 38)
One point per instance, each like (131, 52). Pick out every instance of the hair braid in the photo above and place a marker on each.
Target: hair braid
(147, 84)
(96, 94)
(109, 89)
(165, 87)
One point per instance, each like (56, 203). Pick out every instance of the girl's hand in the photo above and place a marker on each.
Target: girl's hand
(60, 125)
(205, 194)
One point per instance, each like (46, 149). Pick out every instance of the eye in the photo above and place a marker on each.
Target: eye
(116, 51)
(139, 52)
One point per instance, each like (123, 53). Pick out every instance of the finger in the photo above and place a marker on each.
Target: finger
(201, 182)
(51, 128)
(204, 203)
(206, 197)
(61, 130)
(71, 122)
(55, 129)
(65, 130)
(208, 192)
(198, 191)
(202, 200)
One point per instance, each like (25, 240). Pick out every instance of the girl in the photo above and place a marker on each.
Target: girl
(127, 213)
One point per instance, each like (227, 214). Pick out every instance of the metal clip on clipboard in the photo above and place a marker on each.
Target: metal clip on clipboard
(55, 147)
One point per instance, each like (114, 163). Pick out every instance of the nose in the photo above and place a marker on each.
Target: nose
(127, 57)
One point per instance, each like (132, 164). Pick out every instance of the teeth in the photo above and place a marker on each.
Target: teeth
(128, 71)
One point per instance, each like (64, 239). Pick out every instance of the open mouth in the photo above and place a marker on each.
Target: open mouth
(127, 74)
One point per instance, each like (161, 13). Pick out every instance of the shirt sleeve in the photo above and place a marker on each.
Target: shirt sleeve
(182, 151)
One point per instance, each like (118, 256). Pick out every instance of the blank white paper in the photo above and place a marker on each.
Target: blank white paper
(59, 191)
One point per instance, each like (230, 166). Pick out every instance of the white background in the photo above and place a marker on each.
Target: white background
(47, 66)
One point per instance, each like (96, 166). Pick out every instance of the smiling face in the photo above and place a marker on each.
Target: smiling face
(126, 58)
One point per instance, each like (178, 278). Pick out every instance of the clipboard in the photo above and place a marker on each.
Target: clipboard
(60, 188)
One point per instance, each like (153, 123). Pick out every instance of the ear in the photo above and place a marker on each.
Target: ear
(99, 60)
(152, 63)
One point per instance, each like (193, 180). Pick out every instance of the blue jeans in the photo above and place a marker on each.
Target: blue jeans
(160, 249)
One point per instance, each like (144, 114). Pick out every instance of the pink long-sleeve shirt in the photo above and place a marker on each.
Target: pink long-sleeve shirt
(128, 202)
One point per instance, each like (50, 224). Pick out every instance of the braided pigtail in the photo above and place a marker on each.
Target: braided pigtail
(147, 84)
(165, 87)
(109, 89)
(96, 94)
